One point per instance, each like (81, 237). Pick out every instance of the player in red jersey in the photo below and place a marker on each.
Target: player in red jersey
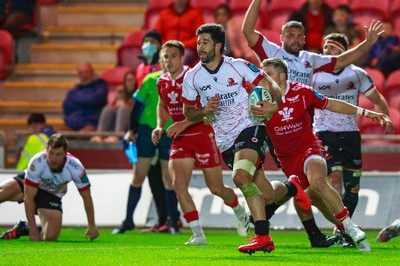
(193, 146)
(306, 158)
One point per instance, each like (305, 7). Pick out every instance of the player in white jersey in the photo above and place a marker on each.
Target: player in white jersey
(46, 181)
(301, 67)
(339, 132)
(214, 89)
(306, 158)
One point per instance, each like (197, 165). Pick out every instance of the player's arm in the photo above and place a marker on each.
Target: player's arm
(162, 118)
(372, 34)
(381, 106)
(249, 23)
(273, 88)
(196, 114)
(342, 107)
(92, 232)
(30, 209)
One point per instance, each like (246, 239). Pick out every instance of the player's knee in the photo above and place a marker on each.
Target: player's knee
(249, 190)
(352, 181)
(50, 236)
(318, 185)
(243, 171)
(216, 191)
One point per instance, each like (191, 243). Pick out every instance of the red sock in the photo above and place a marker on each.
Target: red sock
(340, 227)
(234, 203)
(191, 216)
(342, 215)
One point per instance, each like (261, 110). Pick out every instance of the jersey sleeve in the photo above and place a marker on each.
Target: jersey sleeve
(79, 175)
(264, 49)
(366, 83)
(34, 170)
(323, 63)
(189, 92)
(317, 99)
(249, 71)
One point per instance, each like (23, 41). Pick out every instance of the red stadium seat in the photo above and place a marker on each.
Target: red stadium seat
(364, 102)
(46, 2)
(378, 78)
(392, 87)
(152, 12)
(367, 126)
(364, 11)
(335, 3)
(131, 48)
(239, 9)
(272, 35)
(394, 101)
(279, 12)
(6, 53)
(208, 7)
(114, 77)
(395, 16)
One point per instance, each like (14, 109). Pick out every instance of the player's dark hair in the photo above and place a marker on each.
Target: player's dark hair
(176, 44)
(293, 24)
(338, 37)
(58, 140)
(216, 31)
(276, 62)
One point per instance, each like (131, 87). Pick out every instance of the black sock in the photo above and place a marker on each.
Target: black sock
(292, 189)
(172, 206)
(311, 228)
(261, 227)
(270, 210)
(133, 199)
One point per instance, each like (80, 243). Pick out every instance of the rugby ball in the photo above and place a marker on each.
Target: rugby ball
(259, 94)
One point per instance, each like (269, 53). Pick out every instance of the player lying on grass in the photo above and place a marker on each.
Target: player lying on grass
(45, 183)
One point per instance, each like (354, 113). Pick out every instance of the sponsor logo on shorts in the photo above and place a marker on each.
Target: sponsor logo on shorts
(254, 139)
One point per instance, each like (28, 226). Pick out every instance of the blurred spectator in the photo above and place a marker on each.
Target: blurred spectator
(14, 14)
(83, 104)
(151, 45)
(342, 24)
(385, 54)
(222, 15)
(179, 21)
(37, 141)
(115, 117)
(316, 16)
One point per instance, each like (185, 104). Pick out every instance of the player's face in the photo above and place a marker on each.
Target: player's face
(173, 61)
(205, 48)
(56, 158)
(293, 40)
(331, 50)
(272, 72)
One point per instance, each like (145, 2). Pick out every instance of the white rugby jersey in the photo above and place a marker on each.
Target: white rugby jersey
(300, 68)
(199, 85)
(345, 85)
(39, 175)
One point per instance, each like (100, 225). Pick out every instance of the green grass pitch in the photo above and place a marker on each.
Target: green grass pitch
(135, 248)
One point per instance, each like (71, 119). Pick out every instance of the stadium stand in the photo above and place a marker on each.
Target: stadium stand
(6, 53)
(239, 8)
(152, 11)
(335, 3)
(114, 77)
(279, 12)
(208, 7)
(392, 87)
(378, 78)
(364, 11)
(395, 15)
(131, 48)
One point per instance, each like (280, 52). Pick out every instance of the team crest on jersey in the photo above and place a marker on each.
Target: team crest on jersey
(172, 97)
(293, 99)
(32, 168)
(307, 64)
(252, 67)
(231, 82)
(286, 113)
(350, 86)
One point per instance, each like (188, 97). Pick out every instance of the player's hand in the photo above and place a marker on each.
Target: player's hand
(373, 32)
(34, 235)
(92, 233)
(213, 104)
(156, 135)
(266, 109)
(386, 122)
(176, 128)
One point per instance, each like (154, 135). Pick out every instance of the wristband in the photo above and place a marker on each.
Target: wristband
(361, 112)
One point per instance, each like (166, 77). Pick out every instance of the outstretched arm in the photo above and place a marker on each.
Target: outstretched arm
(343, 107)
(372, 34)
(249, 23)
(92, 233)
(381, 106)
